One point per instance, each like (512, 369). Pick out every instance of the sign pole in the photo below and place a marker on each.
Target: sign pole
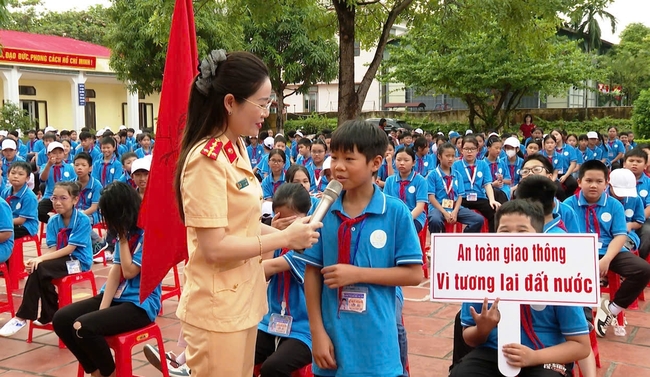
(509, 330)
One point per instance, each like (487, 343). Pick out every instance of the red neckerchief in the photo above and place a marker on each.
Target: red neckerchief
(420, 165)
(62, 238)
(83, 196)
(283, 294)
(527, 325)
(471, 169)
(591, 210)
(133, 242)
(57, 172)
(402, 189)
(345, 241)
(448, 186)
(105, 171)
(10, 198)
(562, 226)
(494, 167)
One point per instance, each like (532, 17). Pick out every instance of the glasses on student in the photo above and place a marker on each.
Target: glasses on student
(470, 149)
(276, 161)
(533, 170)
(266, 108)
(318, 152)
(59, 198)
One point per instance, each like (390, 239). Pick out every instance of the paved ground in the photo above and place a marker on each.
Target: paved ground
(429, 326)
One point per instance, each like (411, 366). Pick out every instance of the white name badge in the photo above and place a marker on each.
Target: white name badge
(280, 324)
(472, 197)
(73, 266)
(354, 300)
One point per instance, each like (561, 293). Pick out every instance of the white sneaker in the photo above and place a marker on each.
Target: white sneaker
(604, 318)
(13, 326)
(109, 256)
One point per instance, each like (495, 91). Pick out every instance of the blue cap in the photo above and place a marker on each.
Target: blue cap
(453, 135)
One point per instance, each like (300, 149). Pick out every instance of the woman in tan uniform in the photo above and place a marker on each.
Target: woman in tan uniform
(224, 297)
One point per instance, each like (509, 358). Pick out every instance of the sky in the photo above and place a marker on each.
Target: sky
(626, 12)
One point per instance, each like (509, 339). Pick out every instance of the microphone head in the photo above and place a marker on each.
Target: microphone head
(333, 190)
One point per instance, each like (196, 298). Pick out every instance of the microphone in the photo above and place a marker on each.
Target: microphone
(330, 194)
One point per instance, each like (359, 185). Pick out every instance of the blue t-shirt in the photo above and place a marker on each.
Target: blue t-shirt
(643, 188)
(295, 298)
(121, 149)
(141, 153)
(317, 182)
(255, 153)
(6, 165)
(473, 182)
(553, 227)
(613, 148)
(593, 154)
(301, 160)
(270, 185)
(95, 153)
(41, 158)
(568, 216)
(609, 213)
(89, 196)
(34, 146)
(382, 173)
(23, 204)
(515, 169)
(131, 288)
(107, 172)
(416, 191)
(6, 225)
(264, 167)
(384, 239)
(67, 174)
(556, 159)
(423, 165)
(551, 324)
(569, 154)
(79, 236)
(126, 178)
(437, 186)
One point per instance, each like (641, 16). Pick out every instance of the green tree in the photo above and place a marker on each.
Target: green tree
(296, 53)
(641, 115)
(629, 61)
(13, 117)
(488, 64)
(87, 25)
(584, 19)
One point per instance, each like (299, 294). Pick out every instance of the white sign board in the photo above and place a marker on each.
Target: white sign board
(545, 269)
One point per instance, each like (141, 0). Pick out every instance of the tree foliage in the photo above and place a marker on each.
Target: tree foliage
(584, 19)
(13, 117)
(89, 25)
(629, 61)
(493, 63)
(641, 114)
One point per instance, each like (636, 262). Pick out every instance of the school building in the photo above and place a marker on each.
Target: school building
(68, 84)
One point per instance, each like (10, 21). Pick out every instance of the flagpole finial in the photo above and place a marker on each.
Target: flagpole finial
(208, 69)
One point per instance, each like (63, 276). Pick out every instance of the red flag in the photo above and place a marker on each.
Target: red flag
(165, 243)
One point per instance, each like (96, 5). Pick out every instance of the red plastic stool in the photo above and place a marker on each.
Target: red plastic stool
(486, 227)
(123, 345)
(100, 228)
(302, 372)
(453, 228)
(64, 288)
(17, 259)
(423, 246)
(7, 306)
(614, 284)
(169, 291)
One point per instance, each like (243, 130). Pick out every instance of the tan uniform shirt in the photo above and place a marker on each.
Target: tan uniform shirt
(221, 192)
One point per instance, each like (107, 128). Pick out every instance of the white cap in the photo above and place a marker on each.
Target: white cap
(53, 145)
(4, 133)
(469, 132)
(269, 142)
(99, 132)
(492, 134)
(8, 144)
(140, 164)
(298, 133)
(138, 132)
(623, 183)
(327, 164)
(440, 133)
(418, 131)
(592, 135)
(49, 129)
(512, 141)
(122, 127)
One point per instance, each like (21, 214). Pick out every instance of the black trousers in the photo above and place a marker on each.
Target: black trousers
(482, 362)
(20, 231)
(461, 349)
(636, 272)
(88, 344)
(644, 235)
(44, 208)
(39, 287)
(291, 355)
(483, 206)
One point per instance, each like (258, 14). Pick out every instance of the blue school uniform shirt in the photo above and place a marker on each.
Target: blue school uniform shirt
(552, 324)
(569, 156)
(438, 186)
(295, 298)
(88, 196)
(94, 152)
(384, 239)
(568, 216)
(557, 160)
(633, 213)
(595, 153)
(131, 293)
(255, 154)
(643, 189)
(126, 178)
(514, 168)
(415, 192)
(79, 236)
(382, 173)
(23, 204)
(41, 158)
(554, 226)
(22, 149)
(107, 172)
(482, 153)
(316, 182)
(38, 146)
(141, 153)
(301, 160)
(121, 149)
(67, 174)
(31, 146)
(613, 148)
(423, 165)
(269, 185)
(6, 225)
(482, 177)
(609, 213)
(6, 165)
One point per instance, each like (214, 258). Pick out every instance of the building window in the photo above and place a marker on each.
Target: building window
(311, 100)
(91, 116)
(26, 90)
(145, 114)
(37, 111)
(357, 48)
(90, 93)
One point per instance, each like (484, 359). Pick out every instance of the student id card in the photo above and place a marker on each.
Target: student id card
(354, 299)
(472, 197)
(447, 204)
(73, 266)
(280, 324)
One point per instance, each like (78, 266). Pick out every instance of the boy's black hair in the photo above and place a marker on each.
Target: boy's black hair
(293, 196)
(64, 133)
(122, 133)
(108, 133)
(279, 139)
(636, 152)
(22, 165)
(643, 146)
(526, 208)
(49, 136)
(13, 133)
(593, 165)
(538, 189)
(407, 150)
(263, 135)
(126, 156)
(369, 140)
(441, 138)
(31, 132)
(131, 130)
(405, 134)
(582, 137)
(83, 156)
(304, 141)
(291, 134)
(538, 157)
(420, 142)
(85, 135)
(85, 129)
(108, 140)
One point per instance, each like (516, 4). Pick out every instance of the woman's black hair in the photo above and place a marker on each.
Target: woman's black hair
(319, 142)
(72, 187)
(549, 136)
(408, 150)
(119, 204)
(293, 169)
(240, 75)
(491, 140)
(293, 196)
(83, 156)
(280, 153)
